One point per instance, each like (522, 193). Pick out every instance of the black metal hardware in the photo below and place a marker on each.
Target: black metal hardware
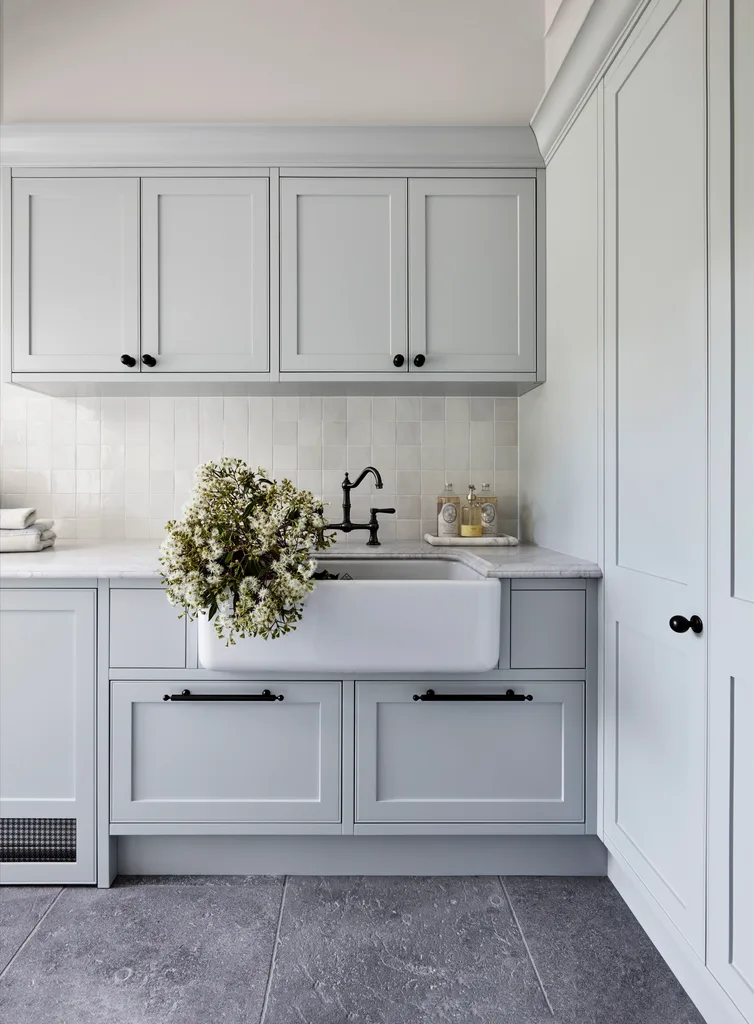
(420, 360)
(148, 360)
(508, 695)
(346, 526)
(399, 360)
(188, 695)
(374, 525)
(127, 360)
(680, 624)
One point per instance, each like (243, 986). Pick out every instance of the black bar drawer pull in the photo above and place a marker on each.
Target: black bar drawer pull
(508, 695)
(188, 695)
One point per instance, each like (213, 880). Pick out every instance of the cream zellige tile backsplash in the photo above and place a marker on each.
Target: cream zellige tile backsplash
(120, 467)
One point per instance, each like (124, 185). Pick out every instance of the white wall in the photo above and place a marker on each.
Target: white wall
(331, 61)
(559, 423)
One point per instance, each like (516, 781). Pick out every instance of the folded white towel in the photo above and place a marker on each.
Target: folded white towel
(28, 542)
(16, 518)
(40, 526)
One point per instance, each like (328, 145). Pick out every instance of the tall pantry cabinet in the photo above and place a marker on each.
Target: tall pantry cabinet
(665, 134)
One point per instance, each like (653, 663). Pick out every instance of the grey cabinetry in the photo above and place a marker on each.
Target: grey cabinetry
(470, 760)
(342, 274)
(472, 275)
(47, 673)
(145, 630)
(225, 760)
(75, 252)
(205, 292)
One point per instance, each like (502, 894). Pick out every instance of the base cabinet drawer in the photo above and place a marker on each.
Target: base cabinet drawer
(225, 758)
(470, 760)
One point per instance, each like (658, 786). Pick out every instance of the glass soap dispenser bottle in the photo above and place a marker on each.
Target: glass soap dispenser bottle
(489, 512)
(448, 512)
(471, 515)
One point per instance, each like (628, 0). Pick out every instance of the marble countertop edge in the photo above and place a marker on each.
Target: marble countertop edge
(138, 560)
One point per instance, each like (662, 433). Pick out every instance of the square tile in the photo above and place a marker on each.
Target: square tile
(595, 961)
(21, 909)
(401, 951)
(192, 951)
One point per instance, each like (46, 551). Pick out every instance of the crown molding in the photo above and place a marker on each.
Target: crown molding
(171, 145)
(605, 27)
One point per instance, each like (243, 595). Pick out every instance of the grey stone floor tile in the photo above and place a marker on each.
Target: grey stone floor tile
(21, 907)
(401, 951)
(183, 953)
(597, 964)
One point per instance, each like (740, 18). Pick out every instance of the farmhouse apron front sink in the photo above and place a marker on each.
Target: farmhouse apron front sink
(391, 615)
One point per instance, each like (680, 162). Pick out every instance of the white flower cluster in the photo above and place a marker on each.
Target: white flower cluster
(242, 551)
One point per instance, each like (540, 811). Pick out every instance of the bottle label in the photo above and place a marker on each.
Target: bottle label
(447, 521)
(489, 518)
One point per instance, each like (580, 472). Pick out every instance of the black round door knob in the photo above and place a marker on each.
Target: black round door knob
(149, 360)
(680, 624)
(420, 360)
(127, 360)
(399, 360)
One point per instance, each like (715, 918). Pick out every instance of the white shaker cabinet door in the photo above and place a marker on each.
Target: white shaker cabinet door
(47, 736)
(472, 273)
(656, 461)
(205, 292)
(343, 275)
(75, 289)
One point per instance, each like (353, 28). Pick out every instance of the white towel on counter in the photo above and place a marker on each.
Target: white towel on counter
(25, 540)
(16, 518)
(40, 526)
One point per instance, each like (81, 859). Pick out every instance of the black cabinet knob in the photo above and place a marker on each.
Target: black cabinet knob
(399, 360)
(127, 360)
(680, 624)
(149, 360)
(420, 360)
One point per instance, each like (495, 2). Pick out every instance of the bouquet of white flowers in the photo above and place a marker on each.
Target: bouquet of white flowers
(242, 551)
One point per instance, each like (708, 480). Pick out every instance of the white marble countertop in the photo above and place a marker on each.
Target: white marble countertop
(138, 560)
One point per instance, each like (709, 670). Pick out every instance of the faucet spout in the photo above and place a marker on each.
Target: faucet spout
(370, 469)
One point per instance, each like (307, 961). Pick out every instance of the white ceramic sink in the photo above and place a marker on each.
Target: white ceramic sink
(392, 615)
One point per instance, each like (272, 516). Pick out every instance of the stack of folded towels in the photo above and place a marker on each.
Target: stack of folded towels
(20, 530)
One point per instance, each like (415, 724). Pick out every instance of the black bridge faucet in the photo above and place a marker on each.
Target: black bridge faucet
(346, 526)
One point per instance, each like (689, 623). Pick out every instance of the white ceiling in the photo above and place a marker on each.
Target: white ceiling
(281, 61)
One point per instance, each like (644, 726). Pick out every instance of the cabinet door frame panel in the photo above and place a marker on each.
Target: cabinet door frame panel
(257, 360)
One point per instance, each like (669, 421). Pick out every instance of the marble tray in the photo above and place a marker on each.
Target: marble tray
(503, 541)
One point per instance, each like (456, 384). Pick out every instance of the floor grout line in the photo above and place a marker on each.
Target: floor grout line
(273, 958)
(526, 945)
(31, 934)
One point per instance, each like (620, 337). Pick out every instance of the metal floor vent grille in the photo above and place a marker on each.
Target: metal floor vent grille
(39, 840)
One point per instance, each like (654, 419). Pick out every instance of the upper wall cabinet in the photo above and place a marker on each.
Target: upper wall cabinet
(75, 254)
(472, 275)
(214, 259)
(205, 291)
(343, 275)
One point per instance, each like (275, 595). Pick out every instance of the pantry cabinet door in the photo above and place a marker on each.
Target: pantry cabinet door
(656, 459)
(47, 677)
(205, 290)
(343, 275)
(472, 273)
(75, 256)
(730, 831)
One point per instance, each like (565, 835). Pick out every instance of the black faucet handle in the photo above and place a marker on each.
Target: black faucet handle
(387, 511)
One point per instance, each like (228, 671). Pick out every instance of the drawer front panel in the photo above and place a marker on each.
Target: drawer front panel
(470, 760)
(145, 631)
(226, 760)
(548, 629)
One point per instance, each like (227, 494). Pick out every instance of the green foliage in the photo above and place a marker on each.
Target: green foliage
(242, 551)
